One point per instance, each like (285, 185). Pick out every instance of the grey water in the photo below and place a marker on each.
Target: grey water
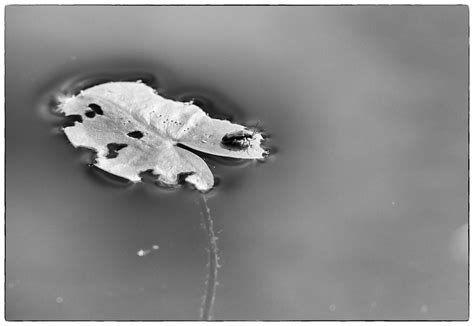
(359, 213)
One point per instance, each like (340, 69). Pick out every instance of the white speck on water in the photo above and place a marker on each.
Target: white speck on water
(393, 203)
(142, 252)
(424, 309)
(332, 307)
(59, 300)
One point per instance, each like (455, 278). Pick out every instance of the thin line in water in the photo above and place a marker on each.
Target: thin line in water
(211, 283)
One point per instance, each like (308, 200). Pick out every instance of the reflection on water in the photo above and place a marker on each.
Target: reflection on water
(360, 214)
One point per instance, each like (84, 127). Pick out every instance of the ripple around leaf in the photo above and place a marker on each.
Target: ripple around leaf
(111, 112)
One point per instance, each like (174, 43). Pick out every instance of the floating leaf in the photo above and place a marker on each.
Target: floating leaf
(134, 130)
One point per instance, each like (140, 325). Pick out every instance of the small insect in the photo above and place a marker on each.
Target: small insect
(238, 139)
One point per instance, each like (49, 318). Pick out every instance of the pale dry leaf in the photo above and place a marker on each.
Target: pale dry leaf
(133, 130)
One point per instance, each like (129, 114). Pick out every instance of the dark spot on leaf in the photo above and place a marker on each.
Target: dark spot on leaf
(96, 108)
(113, 149)
(90, 114)
(135, 134)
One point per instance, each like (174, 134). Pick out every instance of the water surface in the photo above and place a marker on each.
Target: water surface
(360, 214)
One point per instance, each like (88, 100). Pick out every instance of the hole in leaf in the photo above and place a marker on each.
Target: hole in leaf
(90, 114)
(135, 134)
(96, 108)
(182, 177)
(70, 120)
(148, 176)
(113, 149)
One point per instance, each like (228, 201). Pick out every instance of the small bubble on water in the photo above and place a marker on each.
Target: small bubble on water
(332, 307)
(393, 203)
(59, 300)
(155, 247)
(142, 252)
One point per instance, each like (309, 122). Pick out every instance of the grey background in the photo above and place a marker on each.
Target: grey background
(360, 214)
